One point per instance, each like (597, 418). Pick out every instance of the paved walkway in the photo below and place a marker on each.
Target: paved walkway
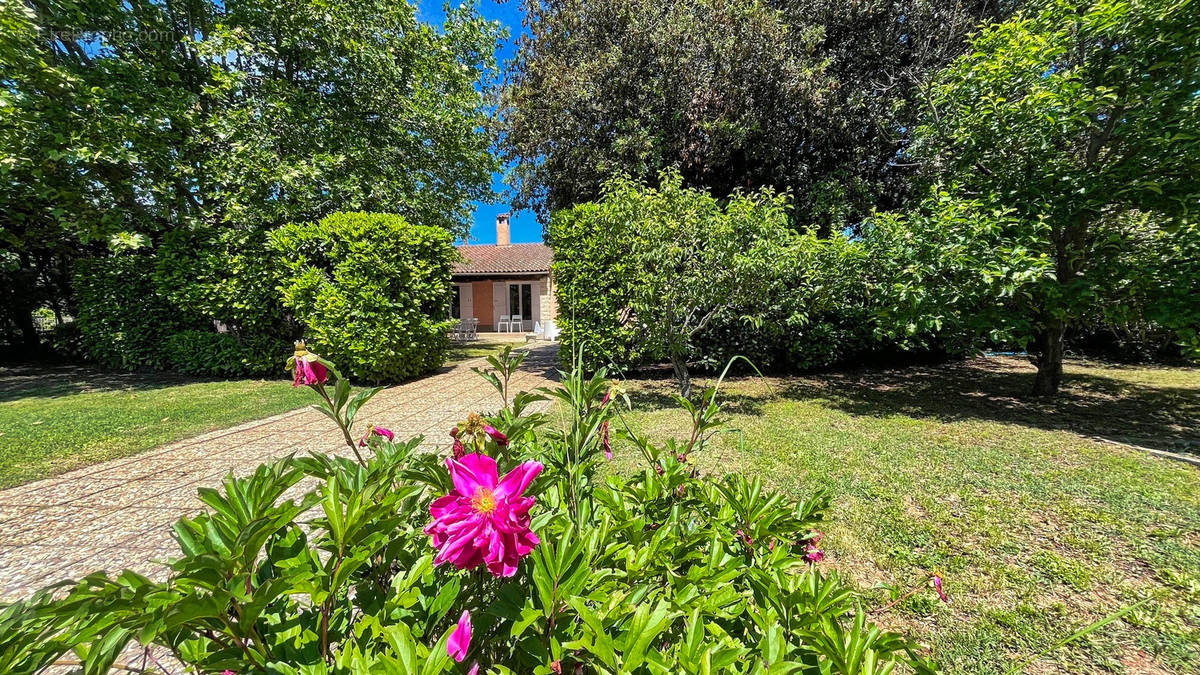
(118, 514)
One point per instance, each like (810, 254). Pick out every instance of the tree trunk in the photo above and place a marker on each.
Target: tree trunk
(1049, 359)
(682, 377)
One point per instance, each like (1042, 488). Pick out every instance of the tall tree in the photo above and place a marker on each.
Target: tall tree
(812, 96)
(1071, 116)
(148, 116)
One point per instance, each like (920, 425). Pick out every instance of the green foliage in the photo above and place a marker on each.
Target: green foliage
(671, 260)
(123, 321)
(229, 276)
(141, 118)
(816, 313)
(665, 572)
(954, 271)
(198, 352)
(1071, 117)
(371, 290)
(814, 97)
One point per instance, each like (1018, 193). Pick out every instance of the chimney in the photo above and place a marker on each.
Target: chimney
(502, 233)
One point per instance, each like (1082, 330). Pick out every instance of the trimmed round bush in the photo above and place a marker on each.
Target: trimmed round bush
(372, 291)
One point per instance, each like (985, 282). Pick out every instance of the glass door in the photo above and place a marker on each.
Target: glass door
(520, 304)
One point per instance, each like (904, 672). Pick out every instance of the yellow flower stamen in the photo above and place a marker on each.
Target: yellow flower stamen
(484, 501)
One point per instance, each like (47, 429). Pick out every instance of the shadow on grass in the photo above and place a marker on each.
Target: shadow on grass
(38, 381)
(990, 389)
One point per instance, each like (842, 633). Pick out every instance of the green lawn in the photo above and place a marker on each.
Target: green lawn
(57, 419)
(461, 351)
(1037, 529)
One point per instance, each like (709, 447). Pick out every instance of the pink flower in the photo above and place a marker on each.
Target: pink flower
(460, 638)
(378, 431)
(485, 520)
(474, 670)
(937, 586)
(746, 538)
(811, 553)
(459, 449)
(604, 441)
(500, 438)
(309, 372)
(228, 672)
(814, 555)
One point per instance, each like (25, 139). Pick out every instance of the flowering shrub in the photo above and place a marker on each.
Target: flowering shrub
(516, 554)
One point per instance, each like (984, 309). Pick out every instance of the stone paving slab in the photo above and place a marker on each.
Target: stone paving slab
(118, 514)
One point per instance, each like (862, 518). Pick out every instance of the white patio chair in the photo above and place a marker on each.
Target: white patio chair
(515, 324)
(503, 325)
(472, 328)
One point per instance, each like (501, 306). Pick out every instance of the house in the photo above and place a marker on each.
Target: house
(500, 280)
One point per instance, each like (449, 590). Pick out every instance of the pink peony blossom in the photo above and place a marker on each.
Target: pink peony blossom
(485, 520)
(811, 553)
(378, 431)
(500, 438)
(309, 371)
(460, 638)
(814, 555)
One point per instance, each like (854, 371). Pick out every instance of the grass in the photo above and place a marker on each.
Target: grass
(1038, 528)
(461, 351)
(54, 420)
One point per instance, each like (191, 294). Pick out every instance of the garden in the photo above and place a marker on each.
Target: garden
(878, 330)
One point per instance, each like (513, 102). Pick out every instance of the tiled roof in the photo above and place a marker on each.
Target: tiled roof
(514, 259)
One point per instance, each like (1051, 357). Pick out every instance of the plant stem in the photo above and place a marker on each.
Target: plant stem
(912, 591)
(341, 425)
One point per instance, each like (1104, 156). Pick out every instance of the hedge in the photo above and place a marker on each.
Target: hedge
(123, 320)
(817, 312)
(205, 353)
(372, 291)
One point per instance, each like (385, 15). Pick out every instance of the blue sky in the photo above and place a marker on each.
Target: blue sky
(525, 227)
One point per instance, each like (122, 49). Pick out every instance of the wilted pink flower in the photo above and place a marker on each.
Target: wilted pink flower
(749, 541)
(460, 638)
(485, 520)
(937, 586)
(496, 435)
(309, 371)
(378, 431)
(604, 440)
(811, 553)
(459, 449)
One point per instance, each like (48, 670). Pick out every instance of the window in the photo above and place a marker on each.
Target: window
(456, 303)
